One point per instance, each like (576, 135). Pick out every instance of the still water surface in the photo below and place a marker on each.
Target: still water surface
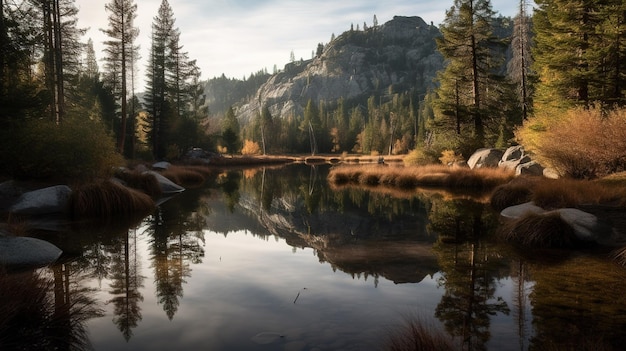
(274, 259)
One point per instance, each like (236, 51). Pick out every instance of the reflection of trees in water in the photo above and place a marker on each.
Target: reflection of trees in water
(126, 280)
(578, 305)
(468, 271)
(46, 309)
(177, 241)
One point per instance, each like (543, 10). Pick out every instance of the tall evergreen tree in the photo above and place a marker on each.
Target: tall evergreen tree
(230, 132)
(579, 52)
(469, 85)
(519, 66)
(175, 99)
(119, 54)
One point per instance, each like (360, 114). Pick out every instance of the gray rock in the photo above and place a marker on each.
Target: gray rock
(22, 252)
(167, 186)
(513, 163)
(518, 211)
(43, 201)
(551, 173)
(586, 226)
(529, 168)
(513, 153)
(161, 165)
(485, 158)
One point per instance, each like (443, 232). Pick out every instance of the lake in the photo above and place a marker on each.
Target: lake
(276, 259)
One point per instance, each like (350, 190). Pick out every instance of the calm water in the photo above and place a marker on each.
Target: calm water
(273, 259)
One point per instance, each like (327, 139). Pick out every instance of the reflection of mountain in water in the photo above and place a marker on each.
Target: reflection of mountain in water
(355, 233)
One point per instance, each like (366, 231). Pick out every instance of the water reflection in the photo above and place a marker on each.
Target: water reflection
(213, 256)
(471, 269)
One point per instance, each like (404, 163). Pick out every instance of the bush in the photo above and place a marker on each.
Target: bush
(419, 157)
(579, 143)
(250, 148)
(76, 149)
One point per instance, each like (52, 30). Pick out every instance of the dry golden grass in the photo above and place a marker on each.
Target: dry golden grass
(558, 193)
(417, 335)
(420, 176)
(515, 192)
(187, 176)
(546, 230)
(105, 199)
(620, 256)
(145, 182)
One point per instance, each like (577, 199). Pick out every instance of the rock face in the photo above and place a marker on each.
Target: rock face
(43, 201)
(353, 66)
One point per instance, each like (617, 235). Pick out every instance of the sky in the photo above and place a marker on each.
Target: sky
(240, 37)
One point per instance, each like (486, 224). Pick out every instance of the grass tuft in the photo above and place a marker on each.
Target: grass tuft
(187, 176)
(546, 230)
(416, 335)
(105, 199)
(144, 182)
(620, 256)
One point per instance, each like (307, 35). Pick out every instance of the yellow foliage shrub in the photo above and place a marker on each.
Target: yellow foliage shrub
(449, 157)
(250, 148)
(579, 143)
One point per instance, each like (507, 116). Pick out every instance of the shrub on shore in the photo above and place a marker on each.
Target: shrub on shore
(77, 149)
(578, 143)
(105, 199)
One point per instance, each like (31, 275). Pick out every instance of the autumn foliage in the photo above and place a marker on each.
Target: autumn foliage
(579, 143)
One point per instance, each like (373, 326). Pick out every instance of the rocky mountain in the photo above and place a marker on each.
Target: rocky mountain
(398, 56)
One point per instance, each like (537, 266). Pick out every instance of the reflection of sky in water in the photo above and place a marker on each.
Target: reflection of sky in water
(247, 285)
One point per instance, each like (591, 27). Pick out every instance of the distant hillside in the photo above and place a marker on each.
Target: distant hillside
(400, 55)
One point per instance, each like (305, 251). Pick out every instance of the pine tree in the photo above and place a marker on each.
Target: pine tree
(579, 52)
(230, 132)
(175, 99)
(519, 66)
(119, 54)
(469, 85)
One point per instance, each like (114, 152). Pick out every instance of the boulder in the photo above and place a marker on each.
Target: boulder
(551, 173)
(586, 226)
(485, 158)
(167, 186)
(529, 168)
(518, 211)
(513, 163)
(43, 201)
(25, 252)
(161, 165)
(513, 153)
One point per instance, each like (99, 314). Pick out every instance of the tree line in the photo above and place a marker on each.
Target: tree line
(51, 80)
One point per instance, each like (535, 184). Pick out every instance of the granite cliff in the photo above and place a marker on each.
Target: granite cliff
(400, 55)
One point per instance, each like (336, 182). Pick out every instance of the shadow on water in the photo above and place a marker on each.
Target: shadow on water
(486, 289)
